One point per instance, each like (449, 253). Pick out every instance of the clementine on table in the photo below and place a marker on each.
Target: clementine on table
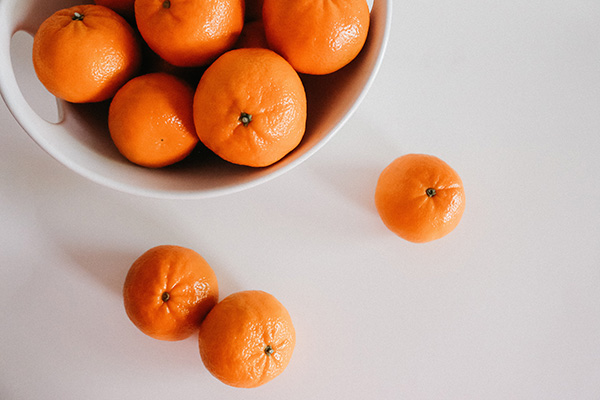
(247, 339)
(420, 197)
(168, 291)
(316, 36)
(151, 122)
(189, 33)
(85, 53)
(250, 107)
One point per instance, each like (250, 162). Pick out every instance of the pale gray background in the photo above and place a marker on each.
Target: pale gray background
(505, 307)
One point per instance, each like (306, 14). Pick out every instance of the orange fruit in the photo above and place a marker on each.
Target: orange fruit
(168, 291)
(189, 33)
(85, 53)
(419, 197)
(316, 36)
(151, 122)
(247, 339)
(253, 35)
(250, 107)
(123, 7)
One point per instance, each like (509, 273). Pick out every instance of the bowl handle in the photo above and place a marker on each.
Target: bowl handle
(15, 17)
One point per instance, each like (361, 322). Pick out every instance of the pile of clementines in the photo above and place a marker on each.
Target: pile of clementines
(224, 73)
(221, 72)
(245, 340)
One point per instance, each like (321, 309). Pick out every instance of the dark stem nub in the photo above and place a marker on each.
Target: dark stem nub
(269, 350)
(77, 17)
(245, 118)
(430, 192)
(165, 296)
(166, 4)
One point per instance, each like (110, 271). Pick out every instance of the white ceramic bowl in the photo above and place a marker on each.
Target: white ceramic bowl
(80, 139)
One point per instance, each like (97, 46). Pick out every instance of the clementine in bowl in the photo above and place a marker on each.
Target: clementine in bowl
(316, 36)
(420, 197)
(189, 33)
(250, 107)
(150, 120)
(85, 53)
(168, 291)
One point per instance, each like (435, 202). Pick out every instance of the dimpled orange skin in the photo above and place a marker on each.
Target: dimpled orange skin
(407, 204)
(257, 83)
(316, 36)
(189, 33)
(85, 60)
(188, 280)
(247, 339)
(150, 120)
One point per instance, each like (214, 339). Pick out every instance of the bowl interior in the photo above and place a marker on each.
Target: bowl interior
(81, 141)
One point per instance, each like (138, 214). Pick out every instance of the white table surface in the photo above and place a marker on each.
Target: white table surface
(505, 307)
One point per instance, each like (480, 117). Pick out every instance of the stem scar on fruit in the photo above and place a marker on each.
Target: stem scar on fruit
(269, 350)
(245, 118)
(166, 4)
(77, 16)
(165, 296)
(430, 192)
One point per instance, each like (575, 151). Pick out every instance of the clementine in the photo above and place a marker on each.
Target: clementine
(419, 197)
(168, 291)
(247, 339)
(85, 53)
(151, 122)
(250, 107)
(316, 36)
(189, 33)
